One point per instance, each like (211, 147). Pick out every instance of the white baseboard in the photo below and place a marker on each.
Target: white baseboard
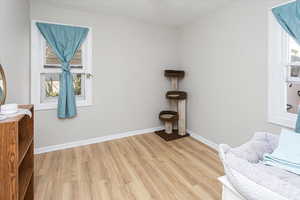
(94, 140)
(209, 143)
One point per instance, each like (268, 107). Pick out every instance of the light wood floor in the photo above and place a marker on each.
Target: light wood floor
(135, 168)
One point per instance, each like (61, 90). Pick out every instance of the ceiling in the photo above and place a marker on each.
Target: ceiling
(170, 12)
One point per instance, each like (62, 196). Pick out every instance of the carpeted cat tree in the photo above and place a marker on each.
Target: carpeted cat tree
(175, 118)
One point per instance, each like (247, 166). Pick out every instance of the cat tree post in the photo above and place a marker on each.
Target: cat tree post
(174, 83)
(169, 127)
(174, 86)
(174, 104)
(182, 117)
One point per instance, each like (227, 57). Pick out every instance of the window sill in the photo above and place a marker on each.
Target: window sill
(53, 106)
(286, 120)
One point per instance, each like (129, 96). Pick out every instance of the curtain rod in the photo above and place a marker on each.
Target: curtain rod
(51, 22)
(284, 3)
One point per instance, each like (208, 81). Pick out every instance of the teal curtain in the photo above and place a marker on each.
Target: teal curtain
(64, 41)
(288, 16)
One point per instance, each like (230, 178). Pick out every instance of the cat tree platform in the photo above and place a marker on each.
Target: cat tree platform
(174, 73)
(169, 137)
(168, 117)
(177, 95)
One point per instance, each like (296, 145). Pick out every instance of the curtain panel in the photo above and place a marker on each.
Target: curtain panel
(64, 41)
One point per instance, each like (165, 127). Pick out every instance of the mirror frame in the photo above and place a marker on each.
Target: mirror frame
(4, 85)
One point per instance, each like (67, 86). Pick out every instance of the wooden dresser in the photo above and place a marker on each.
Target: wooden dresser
(16, 157)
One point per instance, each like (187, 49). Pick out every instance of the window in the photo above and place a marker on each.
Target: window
(284, 76)
(50, 86)
(46, 69)
(293, 76)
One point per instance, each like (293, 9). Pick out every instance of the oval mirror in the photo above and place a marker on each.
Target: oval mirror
(3, 91)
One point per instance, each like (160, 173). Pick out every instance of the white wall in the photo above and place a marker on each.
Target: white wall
(225, 55)
(129, 86)
(14, 48)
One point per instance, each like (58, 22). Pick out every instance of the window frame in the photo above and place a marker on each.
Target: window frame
(37, 68)
(278, 62)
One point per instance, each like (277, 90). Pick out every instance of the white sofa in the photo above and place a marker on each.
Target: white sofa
(247, 178)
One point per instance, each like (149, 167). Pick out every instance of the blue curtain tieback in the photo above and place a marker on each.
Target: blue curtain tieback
(66, 67)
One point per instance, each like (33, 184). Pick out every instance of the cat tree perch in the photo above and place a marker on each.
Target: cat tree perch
(175, 118)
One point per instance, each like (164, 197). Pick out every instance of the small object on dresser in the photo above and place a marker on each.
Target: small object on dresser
(9, 108)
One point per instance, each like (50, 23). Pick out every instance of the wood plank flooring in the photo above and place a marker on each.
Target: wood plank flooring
(142, 167)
